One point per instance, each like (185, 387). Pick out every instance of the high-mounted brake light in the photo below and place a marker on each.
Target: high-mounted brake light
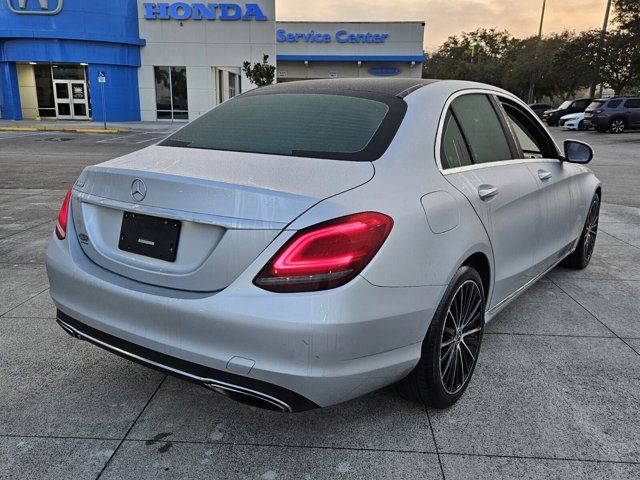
(63, 217)
(326, 255)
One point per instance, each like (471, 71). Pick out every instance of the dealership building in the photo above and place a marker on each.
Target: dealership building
(131, 60)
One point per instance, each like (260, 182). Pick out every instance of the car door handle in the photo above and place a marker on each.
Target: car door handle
(544, 175)
(487, 192)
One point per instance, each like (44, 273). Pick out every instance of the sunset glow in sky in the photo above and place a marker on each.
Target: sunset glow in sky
(447, 17)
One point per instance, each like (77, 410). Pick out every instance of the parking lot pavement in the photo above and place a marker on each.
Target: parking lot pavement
(555, 395)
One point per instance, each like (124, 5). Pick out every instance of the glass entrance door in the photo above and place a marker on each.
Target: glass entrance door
(71, 99)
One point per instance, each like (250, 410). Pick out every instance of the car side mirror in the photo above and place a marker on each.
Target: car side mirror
(577, 152)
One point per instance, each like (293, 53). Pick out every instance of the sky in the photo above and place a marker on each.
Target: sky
(449, 17)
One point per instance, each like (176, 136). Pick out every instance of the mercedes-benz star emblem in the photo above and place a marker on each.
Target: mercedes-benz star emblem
(138, 190)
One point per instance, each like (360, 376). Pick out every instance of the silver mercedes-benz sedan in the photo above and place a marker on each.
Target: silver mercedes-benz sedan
(306, 243)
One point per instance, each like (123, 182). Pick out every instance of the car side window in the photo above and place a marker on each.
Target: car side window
(481, 127)
(453, 151)
(528, 133)
(634, 103)
(581, 104)
(527, 141)
(614, 103)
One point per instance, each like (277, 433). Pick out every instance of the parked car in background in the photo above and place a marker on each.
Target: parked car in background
(552, 117)
(574, 121)
(614, 114)
(540, 108)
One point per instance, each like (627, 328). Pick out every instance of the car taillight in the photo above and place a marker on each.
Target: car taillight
(63, 217)
(594, 112)
(326, 255)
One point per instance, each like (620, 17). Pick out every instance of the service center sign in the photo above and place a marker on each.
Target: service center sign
(204, 11)
(341, 36)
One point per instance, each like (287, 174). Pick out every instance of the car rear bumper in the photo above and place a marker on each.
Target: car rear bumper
(302, 350)
(243, 389)
(597, 122)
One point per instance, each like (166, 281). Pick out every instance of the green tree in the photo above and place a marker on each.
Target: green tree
(627, 15)
(551, 80)
(260, 74)
(477, 56)
(576, 61)
(620, 67)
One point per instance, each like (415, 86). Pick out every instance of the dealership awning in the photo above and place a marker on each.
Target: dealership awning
(351, 58)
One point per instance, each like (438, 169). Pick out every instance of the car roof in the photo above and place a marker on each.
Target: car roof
(397, 87)
(616, 98)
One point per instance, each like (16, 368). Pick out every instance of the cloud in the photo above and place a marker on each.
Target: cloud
(450, 17)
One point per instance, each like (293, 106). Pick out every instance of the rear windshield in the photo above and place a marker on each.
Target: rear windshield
(342, 127)
(595, 105)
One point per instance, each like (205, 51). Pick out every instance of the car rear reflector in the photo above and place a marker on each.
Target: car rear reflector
(326, 255)
(63, 216)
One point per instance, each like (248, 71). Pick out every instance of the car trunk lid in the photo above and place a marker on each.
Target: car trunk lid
(229, 205)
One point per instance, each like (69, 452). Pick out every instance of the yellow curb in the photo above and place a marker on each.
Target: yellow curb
(19, 129)
(64, 129)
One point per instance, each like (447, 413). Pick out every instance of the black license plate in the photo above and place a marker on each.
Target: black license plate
(150, 236)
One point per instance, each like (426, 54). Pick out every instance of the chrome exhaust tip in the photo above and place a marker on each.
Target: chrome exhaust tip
(253, 399)
(69, 330)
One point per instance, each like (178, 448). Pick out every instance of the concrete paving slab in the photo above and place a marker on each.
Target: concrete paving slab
(22, 191)
(168, 461)
(19, 284)
(629, 233)
(546, 310)
(549, 397)
(381, 420)
(24, 213)
(611, 213)
(28, 246)
(635, 344)
(10, 197)
(54, 385)
(59, 458)
(614, 303)
(606, 239)
(40, 306)
(465, 467)
(608, 263)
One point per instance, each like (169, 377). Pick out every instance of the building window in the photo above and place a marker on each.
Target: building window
(228, 83)
(233, 84)
(171, 93)
(44, 91)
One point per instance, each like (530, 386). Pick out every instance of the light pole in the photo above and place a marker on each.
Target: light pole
(599, 52)
(474, 44)
(532, 84)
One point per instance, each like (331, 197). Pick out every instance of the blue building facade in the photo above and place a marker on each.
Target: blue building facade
(174, 60)
(78, 41)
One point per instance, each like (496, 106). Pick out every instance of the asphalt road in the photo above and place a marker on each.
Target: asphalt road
(556, 393)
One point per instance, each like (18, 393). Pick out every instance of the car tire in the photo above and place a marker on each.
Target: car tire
(436, 381)
(617, 126)
(581, 257)
(581, 126)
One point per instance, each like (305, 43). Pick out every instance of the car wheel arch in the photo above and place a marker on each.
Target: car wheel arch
(480, 263)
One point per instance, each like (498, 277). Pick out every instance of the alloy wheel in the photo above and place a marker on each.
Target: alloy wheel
(591, 229)
(461, 337)
(617, 126)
